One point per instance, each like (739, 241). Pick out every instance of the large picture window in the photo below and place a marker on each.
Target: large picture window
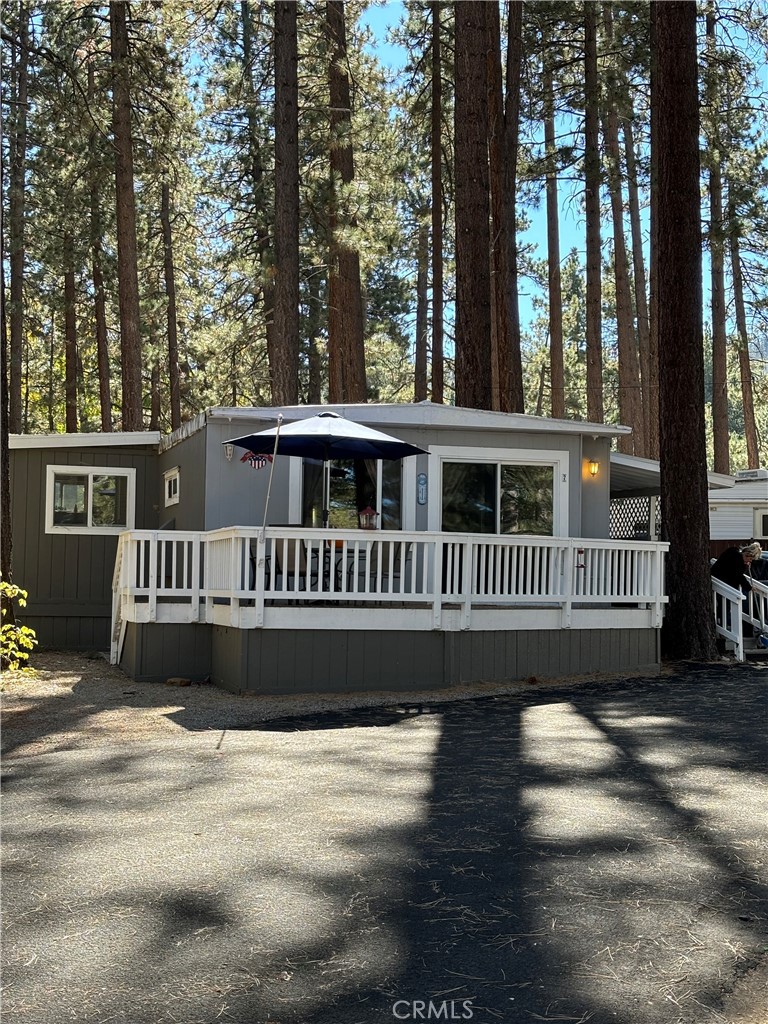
(498, 498)
(89, 499)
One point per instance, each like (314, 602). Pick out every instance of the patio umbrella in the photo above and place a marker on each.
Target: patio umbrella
(324, 437)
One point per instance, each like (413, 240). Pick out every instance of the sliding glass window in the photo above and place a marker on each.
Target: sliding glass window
(498, 498)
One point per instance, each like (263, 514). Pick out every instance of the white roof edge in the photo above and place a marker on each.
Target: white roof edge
(105, 440)
(715, 480)
(425, 414)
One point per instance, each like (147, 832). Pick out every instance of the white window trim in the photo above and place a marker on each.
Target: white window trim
(90, 471)
(168, 475)
(558, 460)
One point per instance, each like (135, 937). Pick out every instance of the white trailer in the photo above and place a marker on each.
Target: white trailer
(740, 513)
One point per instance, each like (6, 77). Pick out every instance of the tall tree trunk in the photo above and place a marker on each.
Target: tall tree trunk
(422, 313)
(512, 399)
(314, 330)
(97, 256)
(745, 366)
(594, 314)
(6, 520)
(438, 378)
(688, 625)
(169, 274)
(500, 348)
(346, 354)
(154, 396)
(556, 370)
(16, 209)
(630, 395)
(720, 433)
(125, 207)
(285, 374)
(473, 278)
(51, 377)
(638, 265)
(70, 341)
(256, 174)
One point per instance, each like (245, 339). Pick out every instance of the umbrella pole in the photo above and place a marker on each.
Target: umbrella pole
(271, 472)
(326, 491)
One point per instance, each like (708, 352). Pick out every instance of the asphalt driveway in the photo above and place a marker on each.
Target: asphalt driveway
(581, 854)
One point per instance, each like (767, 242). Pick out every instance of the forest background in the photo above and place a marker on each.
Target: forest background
(223, 202)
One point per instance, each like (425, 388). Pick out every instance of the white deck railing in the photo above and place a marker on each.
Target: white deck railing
(237, 575)
(734, 610)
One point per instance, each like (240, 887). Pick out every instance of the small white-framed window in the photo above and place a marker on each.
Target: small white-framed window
(171, 486)
(89, 499)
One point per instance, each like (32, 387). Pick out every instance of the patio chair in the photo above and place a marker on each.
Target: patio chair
(389, 554)
(290, 555)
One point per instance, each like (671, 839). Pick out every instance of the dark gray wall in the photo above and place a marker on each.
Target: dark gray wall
(358, 661)
(190, 456)
(69, 577)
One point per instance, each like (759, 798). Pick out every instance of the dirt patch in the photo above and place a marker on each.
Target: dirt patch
(69, 701)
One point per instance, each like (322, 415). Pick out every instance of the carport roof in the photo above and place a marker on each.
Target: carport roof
(633, 477)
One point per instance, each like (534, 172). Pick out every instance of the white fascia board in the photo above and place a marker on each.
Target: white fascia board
(133, 438)
(425, 414)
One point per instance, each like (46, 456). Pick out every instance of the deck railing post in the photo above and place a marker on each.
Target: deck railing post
(259, 576)
(437, 586)
(153, 577)
(197, 543)
(569, 557)
(234, 602)
(468, 551)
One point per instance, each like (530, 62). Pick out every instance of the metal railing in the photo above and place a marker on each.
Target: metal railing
(186, 577)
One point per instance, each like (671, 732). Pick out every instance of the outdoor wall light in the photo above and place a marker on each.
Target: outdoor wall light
(229, 451)
(594, 467)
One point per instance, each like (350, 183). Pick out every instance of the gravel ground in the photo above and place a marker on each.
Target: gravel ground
(586, 852)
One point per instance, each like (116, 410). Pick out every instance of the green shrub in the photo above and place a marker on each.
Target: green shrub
(15, 641)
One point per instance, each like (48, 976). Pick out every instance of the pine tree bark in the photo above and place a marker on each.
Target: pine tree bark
(265, 287)
(556, 370)
(720, 432)
(512, 399)
(125, 208)
(500, 348)
(16, 211)
(688, 630)
(594, 315)
(169, 274)
(284, 373)
(638, 266)
(422, 313)
(6, 520)
(436, 113)
(314, 329)
(346, 354)
(97, 275)
(70, 342)
(745, 365)
(472, 206)
(630, 394)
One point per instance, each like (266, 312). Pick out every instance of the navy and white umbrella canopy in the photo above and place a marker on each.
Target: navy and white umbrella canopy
(325, 437)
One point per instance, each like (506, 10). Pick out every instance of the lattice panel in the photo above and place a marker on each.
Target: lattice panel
(631, 518)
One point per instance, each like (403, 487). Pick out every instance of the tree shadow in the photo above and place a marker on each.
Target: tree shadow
(571, 854)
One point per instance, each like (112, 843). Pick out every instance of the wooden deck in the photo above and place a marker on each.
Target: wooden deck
(291, 578)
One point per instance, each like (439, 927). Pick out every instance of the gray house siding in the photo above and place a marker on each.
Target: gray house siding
(232, 493)
(69, 577)
(190, 456)
(357, 661)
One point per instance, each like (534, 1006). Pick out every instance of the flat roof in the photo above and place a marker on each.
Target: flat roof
(100, 440)
(424, 414)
